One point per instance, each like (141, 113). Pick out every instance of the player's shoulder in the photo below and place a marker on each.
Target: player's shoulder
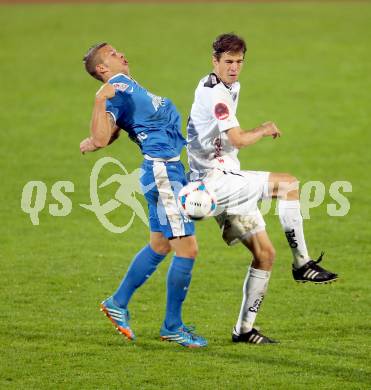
(210, 81)
(214, 84)
(121, 82)
(209, 86)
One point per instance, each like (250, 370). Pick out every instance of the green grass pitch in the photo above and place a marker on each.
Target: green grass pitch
(308, 69)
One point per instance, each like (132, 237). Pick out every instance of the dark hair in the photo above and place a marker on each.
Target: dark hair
(228, 43)
(92, 59)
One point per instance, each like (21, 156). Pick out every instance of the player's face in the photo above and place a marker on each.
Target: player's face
(229, 66)
(114, 61)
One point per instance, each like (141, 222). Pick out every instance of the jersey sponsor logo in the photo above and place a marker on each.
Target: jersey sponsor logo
(120, 86)
(221, 111)
(157, 101)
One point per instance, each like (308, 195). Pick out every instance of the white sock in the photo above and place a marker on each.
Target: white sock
(254, 289)
(292, 224)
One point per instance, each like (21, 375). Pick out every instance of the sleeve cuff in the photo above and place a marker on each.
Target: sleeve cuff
(228, 124)
(113, 115)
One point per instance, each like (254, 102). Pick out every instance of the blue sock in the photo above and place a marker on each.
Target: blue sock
(141, 268)
(178, 280)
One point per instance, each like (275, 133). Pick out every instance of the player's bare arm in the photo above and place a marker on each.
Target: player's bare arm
(241, 138)
(88, 145)
(116, 131)
(102, 127)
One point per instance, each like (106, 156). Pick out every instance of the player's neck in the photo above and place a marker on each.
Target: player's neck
(109, 75)
(224, 82)
(228, 85)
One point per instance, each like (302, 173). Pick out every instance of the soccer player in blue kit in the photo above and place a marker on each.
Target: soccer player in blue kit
(154, 124)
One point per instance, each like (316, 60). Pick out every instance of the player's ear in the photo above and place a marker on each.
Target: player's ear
(100, 69)
(214, 61)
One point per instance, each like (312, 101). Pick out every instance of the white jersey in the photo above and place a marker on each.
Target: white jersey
(213, 112)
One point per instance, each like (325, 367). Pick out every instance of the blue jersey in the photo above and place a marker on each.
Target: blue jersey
(151, 121)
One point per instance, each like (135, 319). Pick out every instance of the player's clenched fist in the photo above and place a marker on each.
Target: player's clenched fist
(87, 145)
(270, 129)
(106, 91)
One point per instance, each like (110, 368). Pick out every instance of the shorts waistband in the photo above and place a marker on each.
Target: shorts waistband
(159, 159)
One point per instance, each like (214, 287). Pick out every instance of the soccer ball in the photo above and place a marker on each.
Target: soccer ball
(196, 200)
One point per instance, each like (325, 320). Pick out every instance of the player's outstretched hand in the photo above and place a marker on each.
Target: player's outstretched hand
(87, 145)
(270, 129)
(106, 91)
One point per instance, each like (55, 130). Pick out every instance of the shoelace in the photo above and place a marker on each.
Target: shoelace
(189, 329)
(196, 338)
(318, 268)
(186, 336)
(320, 258)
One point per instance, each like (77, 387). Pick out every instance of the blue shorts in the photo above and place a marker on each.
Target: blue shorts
(161, 183)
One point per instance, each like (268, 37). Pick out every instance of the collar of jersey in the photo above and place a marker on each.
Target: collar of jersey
(119, 74)
(220, 80)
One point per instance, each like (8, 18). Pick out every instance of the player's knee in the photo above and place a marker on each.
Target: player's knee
(294, 180)
(288, 179)
(292, 192)
(192, 251)
(271, 254)
(161, 247)
(288, 187)
(185, 247)
(268, 255)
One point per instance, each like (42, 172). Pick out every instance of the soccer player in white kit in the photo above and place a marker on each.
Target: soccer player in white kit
(214, 139)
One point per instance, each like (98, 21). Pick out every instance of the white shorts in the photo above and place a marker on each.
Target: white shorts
(237, 192)
(236, 228)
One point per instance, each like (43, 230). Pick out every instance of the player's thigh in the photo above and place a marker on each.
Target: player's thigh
(159, 243)
(236, 228)
(185, 246)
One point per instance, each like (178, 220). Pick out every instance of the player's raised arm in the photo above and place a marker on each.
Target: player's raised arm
(241, 138)
(103, 128)
(102, 125)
